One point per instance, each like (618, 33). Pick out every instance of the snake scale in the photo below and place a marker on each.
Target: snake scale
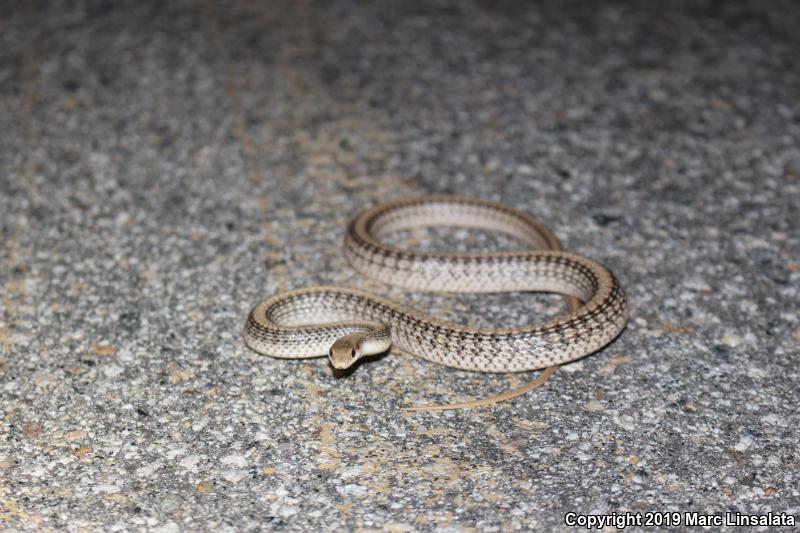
(348, 324)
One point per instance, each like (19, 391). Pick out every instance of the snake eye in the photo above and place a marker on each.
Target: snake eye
(353, 353)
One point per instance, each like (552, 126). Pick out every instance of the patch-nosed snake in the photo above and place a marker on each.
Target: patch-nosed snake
(347, 324)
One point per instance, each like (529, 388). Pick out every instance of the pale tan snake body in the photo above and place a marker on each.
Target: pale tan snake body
(346, 324)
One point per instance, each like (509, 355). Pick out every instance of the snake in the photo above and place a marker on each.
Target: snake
(347, 324)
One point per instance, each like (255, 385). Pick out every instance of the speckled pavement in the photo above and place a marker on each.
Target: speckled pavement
(165, 165)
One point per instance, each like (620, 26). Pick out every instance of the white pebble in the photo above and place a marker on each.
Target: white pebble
(697, 284)
(234, 476)
(234, 460)
(106, 488)
(744, 443)
(352, 490)
(111, 371)
(190, 461)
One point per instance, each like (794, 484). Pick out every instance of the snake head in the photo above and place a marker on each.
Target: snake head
(346, 351)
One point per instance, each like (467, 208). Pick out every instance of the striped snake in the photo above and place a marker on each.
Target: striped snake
(348, 324)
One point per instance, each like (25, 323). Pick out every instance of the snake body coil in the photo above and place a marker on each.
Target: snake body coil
(346, 323)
